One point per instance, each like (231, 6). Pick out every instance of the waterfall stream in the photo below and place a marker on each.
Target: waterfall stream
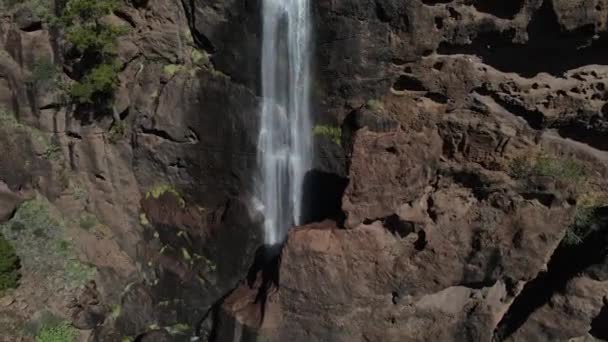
(285, 142)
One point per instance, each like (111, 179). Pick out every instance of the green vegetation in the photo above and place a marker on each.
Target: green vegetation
(559, 168)
(41, 320)
(116, 310)
(75, 272)
(570, 172)
(581, 228)
(178, 329)
(88, 221)
(201, 260)
(186, 255)
(118, 131)
(216, 73)
(171, 69)
(40, 8)
(9, 266)
(8, 121)
(200, 57)
(45, 74)
(96, 43)
(586, 220)
(374, 105)
(143, 220)
(38, 235)
(159, 190)
(98, 85)
(57, 333)
(331, 132)
(52, 151)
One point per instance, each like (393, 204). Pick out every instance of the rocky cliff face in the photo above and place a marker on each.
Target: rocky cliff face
(462, 200)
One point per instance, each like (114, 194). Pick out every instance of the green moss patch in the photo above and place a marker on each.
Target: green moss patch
(171, 69)
(374, 105)
(331, 132)
(62, 332)
(10, 124)
(39, 237)
(159, 190)
(9, 266)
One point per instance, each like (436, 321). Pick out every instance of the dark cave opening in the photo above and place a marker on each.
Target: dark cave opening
(405, 82)
(566, 262)
(397, 226)
(500, 8)
(599, 326)
(322, 197)
(435, 2)
(549, 48)
(588, 131)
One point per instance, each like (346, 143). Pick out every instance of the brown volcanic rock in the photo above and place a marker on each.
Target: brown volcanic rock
(387, 170)
(456, 255)
(9, 201)
(568, 314)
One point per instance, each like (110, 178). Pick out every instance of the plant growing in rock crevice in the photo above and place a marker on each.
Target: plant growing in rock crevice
(159, 190)
(9, 266)
(118, 131)
(374, 105)
(586, 218)
(38, 234)
(95, 42)
(57, 333)
(331, 132)
(561, 169)
(44, 74)
(50, 150)
(569, 172)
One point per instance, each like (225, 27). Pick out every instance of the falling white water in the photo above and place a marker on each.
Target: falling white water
(285, 132)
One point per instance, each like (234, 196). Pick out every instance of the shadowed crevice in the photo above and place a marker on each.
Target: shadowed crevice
(322, 198)
(566, 263)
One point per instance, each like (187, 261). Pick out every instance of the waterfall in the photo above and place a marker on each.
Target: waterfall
(285, 141)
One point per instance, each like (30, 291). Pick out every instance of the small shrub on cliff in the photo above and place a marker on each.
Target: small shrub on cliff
(96, 43)
(88, 221)
(200, 57)
(9, 266)
(331, 132)
(118, 131)
(39, 234)
(98, 85)
(57, 333)
(45, 73)
(171, 69)
(8, 3)
(52, 151)
(8, 121)
(162, 189)
(586, 219)
(560, 168)
(374, 105)
(582, 226)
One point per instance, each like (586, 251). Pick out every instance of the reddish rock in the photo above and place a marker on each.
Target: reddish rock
(387, 170)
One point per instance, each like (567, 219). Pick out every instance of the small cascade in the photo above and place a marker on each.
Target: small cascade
(285, 142)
